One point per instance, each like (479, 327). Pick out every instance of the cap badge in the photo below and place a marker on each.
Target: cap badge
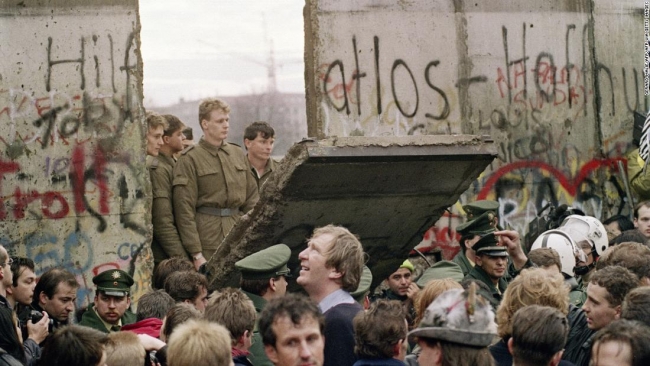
(116, 275)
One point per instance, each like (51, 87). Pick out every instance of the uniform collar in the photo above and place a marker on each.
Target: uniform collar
(165, 158)
(214, 150)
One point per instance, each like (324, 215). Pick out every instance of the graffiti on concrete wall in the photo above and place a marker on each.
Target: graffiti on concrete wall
(552, 95)
(72, 177)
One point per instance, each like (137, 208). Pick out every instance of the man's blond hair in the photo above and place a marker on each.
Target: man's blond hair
(199, 343)
(533, 286)
(124, 349)
(234, 310)
(154, 120)
(211, 104)
(345, 255)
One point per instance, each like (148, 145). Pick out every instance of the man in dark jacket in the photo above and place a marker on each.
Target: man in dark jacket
(331, 268)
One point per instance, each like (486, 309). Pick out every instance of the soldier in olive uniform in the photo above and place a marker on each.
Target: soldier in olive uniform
(110, 311)
(259, 138)
(166, 241)
(492, 264)
(471, 232)
(263, 279)
(213, 185)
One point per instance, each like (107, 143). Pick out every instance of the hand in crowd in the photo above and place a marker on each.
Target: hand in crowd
(39, 331)
(150, 343)
(198, 262)
(511, 240)
(412, 291)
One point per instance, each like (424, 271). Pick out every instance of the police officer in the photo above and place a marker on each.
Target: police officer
(264, 278)
(472, 230)
(110, 311)
(493, 252)
(213, 185)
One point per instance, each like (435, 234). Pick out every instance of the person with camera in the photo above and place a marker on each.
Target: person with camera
(34, 325)
(56, 294)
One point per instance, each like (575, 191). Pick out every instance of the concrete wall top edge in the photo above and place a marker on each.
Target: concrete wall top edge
(55, 4)
(495, 6)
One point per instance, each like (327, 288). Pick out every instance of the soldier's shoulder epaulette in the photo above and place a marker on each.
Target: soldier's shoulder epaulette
(232, 143)
(152, 162)
(187, 149)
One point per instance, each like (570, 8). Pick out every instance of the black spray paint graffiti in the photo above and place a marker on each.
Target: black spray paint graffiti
(398, 64)
(95, 113)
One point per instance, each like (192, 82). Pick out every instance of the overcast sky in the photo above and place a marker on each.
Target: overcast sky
(219, 47)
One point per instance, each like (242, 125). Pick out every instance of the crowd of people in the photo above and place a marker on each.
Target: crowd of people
(577, 294)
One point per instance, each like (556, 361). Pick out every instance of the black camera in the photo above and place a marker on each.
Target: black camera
(36, 317)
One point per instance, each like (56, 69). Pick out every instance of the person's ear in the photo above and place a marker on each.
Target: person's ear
(166, 139)
(618, 312)
(247, 143)
(42, 297)
(556, 358)
(271, 353)
(335, 275)
(510, 345)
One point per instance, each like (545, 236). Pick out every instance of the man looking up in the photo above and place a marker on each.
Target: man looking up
(292, 331)
(110, 311)
(259, 139)
(166, 241)
(331, 268)
(213, 186)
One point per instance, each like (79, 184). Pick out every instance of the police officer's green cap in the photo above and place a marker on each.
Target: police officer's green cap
(478, 208)
(479, 226)
(114, 282)
(488, 244)
(364, 285)
(267, 263)
(439, 271)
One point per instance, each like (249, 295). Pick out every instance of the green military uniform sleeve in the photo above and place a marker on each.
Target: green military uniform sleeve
(184, 197)
(162, 216)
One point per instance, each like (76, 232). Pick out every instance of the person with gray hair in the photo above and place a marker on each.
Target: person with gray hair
(456, 330)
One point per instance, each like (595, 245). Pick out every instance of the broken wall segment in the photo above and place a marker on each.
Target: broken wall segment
(388, 191)
(73, 171)
(554, 85)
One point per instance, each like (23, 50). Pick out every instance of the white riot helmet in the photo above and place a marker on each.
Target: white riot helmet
(586, 228)
(562, 243)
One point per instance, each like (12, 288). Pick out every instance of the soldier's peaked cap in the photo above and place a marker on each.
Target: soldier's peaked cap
(478, 208)
(114, 282)
(489, 245)
(479, 225)
(267, 263)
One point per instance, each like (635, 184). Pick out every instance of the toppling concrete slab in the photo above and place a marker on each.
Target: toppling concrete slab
(388, 191)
